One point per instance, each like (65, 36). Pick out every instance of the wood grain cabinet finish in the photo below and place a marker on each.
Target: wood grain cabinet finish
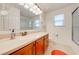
(18, 52)
(37, 47)
(46, 42)
(27, 50)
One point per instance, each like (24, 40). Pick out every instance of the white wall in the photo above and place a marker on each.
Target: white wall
(12, 20)
(65, 33)
(43, 22)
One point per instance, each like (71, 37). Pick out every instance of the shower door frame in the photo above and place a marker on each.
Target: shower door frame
(73, 28)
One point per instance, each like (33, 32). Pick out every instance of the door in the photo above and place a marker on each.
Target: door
(75, 26)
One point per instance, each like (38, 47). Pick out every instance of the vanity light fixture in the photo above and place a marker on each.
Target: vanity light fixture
(26, 6)
(33, 8)
(38, 9)
(40, 12)
(34, 11)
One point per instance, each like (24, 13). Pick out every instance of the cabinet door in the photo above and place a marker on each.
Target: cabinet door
(18, 52)
(46, 42)
(39, 47)
(27, 50)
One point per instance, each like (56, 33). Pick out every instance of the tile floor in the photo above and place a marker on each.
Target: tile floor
(53, 45)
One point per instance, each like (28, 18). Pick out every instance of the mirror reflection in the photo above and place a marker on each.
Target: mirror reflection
(19, 17)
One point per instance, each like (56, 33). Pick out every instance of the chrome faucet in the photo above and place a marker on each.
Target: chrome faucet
(12, 34)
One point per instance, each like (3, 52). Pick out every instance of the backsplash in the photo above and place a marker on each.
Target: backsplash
(5, 35)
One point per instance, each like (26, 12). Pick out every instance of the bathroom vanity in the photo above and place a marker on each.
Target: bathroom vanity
(31, 44)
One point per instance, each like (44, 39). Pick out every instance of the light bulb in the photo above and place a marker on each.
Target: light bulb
(40, 12)
(36, 13)
(38, 9)
(26, 6)
(35, 7)
(31, 9)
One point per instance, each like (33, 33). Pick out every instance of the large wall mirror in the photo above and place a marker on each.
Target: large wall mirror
(18, 16)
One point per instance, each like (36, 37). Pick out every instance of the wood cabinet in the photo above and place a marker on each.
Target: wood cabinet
(46, 42)
(18, 52)
(27, 50)
(37, 47)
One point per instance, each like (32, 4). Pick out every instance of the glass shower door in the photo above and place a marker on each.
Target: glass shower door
(75, 26)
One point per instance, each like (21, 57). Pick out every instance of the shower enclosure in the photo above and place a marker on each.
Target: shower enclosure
(75, 26)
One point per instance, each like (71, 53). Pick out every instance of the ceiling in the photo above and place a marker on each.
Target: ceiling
(47, 7)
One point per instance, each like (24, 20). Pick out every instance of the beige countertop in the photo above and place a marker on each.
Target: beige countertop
(10, 45)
